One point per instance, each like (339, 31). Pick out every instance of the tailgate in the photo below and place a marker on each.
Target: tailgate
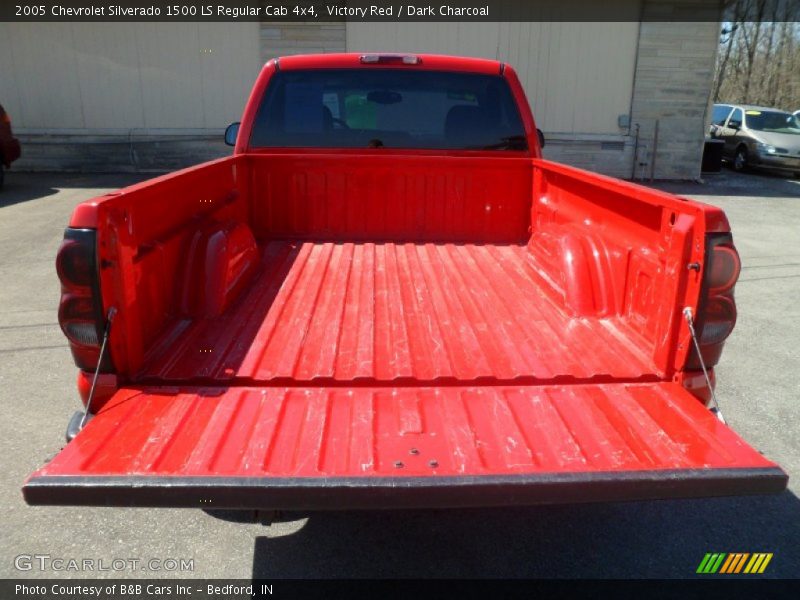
(370, 447)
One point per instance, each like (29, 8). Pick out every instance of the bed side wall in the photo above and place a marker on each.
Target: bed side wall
(148, 239)
(609, 248)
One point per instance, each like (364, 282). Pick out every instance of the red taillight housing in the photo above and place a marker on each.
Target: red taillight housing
(716, 315)
(80, 312)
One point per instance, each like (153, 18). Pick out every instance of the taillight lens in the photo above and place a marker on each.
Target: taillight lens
(77, 319)
(723, 270)
(4, 118)
(74, 264)
(719, 318)
(80, 312)
(716, 316)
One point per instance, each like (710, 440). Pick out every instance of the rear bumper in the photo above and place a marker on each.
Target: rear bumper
(335, 493)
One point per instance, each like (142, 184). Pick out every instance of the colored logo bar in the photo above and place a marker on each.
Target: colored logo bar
(734, 563)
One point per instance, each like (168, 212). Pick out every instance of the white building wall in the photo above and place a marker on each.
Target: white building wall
(123, 76)
(578, 76)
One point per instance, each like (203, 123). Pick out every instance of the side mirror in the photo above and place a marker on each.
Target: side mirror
(231, 133)
(541, 137)
(734, 124)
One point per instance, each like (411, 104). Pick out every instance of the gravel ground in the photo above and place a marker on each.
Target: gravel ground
(758, 390)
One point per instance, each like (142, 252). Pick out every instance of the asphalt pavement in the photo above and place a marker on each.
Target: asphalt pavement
(759, 385)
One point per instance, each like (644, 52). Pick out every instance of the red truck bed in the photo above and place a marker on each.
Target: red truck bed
(420, 364)
(393, 312)
(390, 373)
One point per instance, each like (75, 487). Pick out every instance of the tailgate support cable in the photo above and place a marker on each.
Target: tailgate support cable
(111, 313)
(687, 312)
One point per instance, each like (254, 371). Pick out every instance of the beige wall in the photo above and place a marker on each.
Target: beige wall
(283, 39)
(121, 76)
(102, 97)
(578, 76)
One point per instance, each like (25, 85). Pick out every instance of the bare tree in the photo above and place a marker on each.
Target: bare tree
(759, 62)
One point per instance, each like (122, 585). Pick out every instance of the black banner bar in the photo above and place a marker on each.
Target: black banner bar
(323, 11)
(733, 587)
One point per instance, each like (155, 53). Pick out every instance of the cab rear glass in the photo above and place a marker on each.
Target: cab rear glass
(388, 108)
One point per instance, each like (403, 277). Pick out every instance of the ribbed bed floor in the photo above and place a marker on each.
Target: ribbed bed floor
(396, 312)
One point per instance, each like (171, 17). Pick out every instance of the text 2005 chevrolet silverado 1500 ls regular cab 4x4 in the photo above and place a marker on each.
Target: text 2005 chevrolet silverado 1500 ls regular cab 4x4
(387, 298)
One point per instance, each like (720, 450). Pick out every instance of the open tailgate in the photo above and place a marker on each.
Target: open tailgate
(370, 447)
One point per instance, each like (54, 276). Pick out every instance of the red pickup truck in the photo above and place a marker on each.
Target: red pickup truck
(387, 298)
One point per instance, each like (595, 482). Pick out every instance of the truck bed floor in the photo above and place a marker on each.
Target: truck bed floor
(338, 311)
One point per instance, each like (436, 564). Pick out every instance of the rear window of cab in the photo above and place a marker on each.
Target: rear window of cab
(388, 108)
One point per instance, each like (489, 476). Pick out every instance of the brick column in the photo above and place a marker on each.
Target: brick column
(672, 84)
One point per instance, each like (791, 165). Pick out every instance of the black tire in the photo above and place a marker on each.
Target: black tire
(2, 175)
(740, 160)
